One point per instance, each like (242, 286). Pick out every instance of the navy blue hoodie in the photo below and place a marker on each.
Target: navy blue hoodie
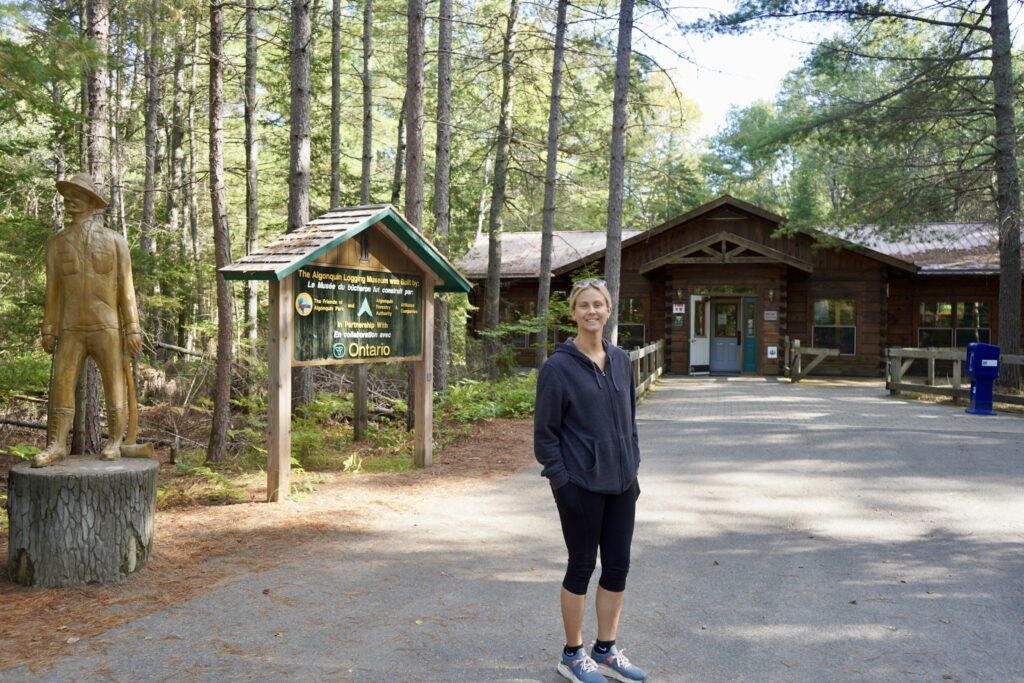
(584, 423)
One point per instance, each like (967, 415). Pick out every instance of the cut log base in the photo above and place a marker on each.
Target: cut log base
(80, 521)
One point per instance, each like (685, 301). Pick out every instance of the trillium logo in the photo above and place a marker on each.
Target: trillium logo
(304, 304)
(338, 350)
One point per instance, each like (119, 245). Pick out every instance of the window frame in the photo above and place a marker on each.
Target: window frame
(834, 325)
(957, 308)
(527, 309)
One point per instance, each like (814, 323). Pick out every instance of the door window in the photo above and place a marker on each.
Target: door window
(700, 321)
(725, 320)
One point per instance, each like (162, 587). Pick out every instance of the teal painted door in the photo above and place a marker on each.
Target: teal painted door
(750, 334)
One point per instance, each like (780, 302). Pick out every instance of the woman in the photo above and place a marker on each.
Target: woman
(585, 437)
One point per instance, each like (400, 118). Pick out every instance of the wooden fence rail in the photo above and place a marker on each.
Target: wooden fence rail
(900, 359)
(648, 365)
(793, 357)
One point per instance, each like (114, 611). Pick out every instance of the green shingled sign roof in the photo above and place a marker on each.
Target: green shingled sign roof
(291, 251)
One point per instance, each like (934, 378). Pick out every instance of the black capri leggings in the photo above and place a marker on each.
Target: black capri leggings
(591, 521)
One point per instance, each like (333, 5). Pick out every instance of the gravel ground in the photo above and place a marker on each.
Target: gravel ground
(784, 533)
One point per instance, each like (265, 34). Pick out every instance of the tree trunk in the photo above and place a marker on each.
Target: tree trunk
(361, 375)
(83, 126)
(98, 31)
(59, 130)
(175, 143)
(414, 171)
(221, 239)
(147, 240)
(86, 437)
(1007, 192)
(442, 175)
(367, 166)
(492, 344)
(550, 182)
(396, 181)
(481, 212)
(298, 175)
(336, 104)
(81, 521)
(176, 173)
(252, 202)
(613, 248)
(147, 237)
(192, 198)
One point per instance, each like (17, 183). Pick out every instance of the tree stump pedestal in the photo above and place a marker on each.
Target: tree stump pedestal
(80, 521)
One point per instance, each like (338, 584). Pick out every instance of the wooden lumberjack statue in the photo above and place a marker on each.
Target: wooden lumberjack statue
(90, 311)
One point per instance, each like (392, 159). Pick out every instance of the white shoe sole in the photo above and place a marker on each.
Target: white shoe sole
(609, 672)
(567, 673)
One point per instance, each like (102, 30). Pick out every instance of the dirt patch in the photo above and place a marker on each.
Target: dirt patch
(200, 549)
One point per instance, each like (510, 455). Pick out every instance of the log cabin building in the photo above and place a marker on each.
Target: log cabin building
(723, 287)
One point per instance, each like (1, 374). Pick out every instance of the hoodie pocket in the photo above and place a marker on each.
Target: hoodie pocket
(602, 470)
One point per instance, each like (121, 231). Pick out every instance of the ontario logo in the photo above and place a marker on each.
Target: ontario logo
(338, 349)
(304, 304)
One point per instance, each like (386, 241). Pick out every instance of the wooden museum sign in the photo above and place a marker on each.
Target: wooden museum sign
(356, 285)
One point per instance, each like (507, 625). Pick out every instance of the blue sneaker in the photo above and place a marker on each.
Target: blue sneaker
(580, 668)
(614, 664)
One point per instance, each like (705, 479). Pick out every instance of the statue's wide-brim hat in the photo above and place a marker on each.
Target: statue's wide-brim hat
(83, 182)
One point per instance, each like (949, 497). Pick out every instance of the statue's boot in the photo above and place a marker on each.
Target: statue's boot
(117, 423)
(57, 430)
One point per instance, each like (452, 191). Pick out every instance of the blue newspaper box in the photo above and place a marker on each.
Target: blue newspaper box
(982, 369)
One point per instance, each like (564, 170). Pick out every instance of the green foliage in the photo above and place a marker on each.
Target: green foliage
(890, 121)
(353, 464)
(22, 260)
(302, 482)
(198, 484)
(470, 400)
(20, 451)
(320, 431)
(322, 441)
(25, 373)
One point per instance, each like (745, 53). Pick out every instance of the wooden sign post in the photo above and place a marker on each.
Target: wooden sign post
(279, 404)
(335, 300)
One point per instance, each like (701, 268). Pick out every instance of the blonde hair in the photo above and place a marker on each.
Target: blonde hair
(589, 283)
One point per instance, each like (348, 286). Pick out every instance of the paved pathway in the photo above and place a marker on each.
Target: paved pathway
(785, 533)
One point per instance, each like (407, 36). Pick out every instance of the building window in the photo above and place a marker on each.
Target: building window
(632, 319)
(948, 324)
(835, 326)
(513, 312)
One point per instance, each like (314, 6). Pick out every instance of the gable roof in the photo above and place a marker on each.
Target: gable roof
(291, 251)
(724, 201)
(734, 211)
(726, 247)
(520, 251)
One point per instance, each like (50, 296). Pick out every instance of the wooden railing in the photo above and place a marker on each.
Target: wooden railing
(794, 353)
(900, 359)
(648, 365)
